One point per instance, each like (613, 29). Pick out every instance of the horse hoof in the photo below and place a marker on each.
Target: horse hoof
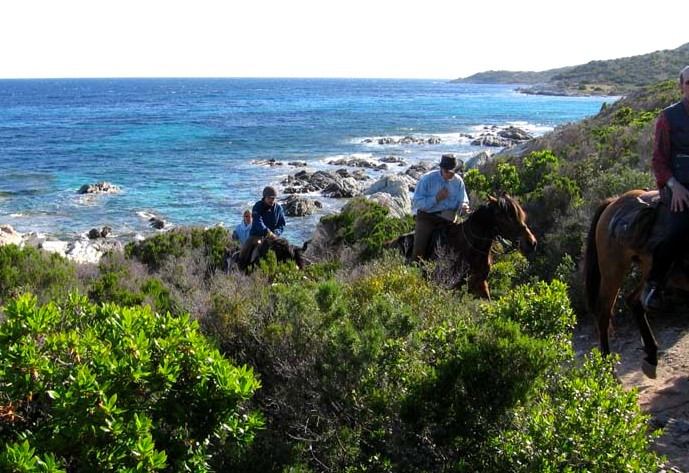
(648, 369)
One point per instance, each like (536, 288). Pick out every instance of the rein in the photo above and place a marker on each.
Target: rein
(468, 238)
(505, 242)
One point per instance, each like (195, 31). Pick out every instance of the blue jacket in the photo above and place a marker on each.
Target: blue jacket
(267, 219)
(242, 232)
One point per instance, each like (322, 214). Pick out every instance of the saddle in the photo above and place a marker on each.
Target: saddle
(641, 223)
(438, 239)
(405, 243)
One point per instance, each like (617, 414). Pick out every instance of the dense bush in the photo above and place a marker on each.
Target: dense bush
(469, 380)
(126, 283)
(366, 224)
(32, 270)
(370, 368)
(106, 388)
(542, 310)
(382, 371)
(585, 422)
(154, 251)
(508, 270)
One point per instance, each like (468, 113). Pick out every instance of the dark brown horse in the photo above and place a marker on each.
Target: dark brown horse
(280, 246)
(624, 231)
(471, 241)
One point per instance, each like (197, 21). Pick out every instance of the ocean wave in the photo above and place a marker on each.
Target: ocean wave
(533, 128)
(146, 215)
(462, 136)
(337, 157)
(21, 193)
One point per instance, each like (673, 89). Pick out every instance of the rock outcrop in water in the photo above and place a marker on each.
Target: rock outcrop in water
(99, 188)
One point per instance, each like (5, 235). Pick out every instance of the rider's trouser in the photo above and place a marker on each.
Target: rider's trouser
(672, 248)
(423, 230)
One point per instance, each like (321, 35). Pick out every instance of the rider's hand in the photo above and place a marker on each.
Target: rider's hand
(680, 198)
(271, 235)
(464, 209)
(442, 195)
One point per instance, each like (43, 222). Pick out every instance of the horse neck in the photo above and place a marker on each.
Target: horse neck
(479, 229)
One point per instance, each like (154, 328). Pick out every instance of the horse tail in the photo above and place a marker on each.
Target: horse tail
(592, 275)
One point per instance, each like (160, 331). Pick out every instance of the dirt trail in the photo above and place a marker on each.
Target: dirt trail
(666, 398)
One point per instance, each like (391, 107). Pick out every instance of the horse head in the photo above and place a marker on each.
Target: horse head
(299, 258)
(510, 222)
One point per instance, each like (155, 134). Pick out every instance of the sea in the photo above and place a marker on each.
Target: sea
(189, 151)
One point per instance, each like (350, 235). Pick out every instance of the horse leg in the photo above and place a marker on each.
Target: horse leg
(479, 288)
(650, 362)
(609, 288)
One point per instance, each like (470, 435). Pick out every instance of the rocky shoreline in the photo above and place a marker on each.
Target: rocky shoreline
(392, 190)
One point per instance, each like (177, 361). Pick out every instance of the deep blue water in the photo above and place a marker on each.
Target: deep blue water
(182, 148)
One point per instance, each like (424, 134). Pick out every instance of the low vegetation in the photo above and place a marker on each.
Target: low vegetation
(363, 366)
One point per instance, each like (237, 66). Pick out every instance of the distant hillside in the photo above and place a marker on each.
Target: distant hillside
(611, 77)
(512, 77)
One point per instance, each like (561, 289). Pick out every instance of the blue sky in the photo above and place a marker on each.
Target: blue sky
(324, 38)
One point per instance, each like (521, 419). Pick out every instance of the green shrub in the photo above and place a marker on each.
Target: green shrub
(107, 388)
(327, 294)
(32, 270)
(508, 270)
(279, 271)
(585, 423)
(366, 224)
(506, 178)
(618, 180)
(477, 183)
(124, 282)
(377, 369)
(22, 458)
(538, 168)
(626, 116)
(471, 380)
(154, 251)
(542, 310)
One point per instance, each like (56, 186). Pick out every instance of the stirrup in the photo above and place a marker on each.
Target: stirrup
(651, 296)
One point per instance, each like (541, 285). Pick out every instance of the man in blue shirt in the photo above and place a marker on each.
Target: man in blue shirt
(268, 222)
(438, 197)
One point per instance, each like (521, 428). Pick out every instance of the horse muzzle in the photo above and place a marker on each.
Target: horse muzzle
(527, 245)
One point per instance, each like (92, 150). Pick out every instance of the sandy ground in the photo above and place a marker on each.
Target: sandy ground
(666, 398)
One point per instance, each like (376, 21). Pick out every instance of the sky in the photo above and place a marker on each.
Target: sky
(323, 38)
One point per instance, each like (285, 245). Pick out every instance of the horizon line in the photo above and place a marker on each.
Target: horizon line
(222, 77)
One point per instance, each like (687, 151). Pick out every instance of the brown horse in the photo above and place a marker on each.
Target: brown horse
(624, 231)
(471, 240)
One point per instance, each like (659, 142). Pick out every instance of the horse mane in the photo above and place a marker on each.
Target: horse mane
(505, 205)
(509, 205)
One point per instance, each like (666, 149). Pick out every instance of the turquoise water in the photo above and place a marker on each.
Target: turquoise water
(182, 149)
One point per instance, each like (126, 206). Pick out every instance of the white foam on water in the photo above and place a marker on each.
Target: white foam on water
(145, 215)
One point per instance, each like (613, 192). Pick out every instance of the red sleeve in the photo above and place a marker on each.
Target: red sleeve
(660, 163)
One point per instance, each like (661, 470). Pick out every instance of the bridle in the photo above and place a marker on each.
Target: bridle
(506, 243)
